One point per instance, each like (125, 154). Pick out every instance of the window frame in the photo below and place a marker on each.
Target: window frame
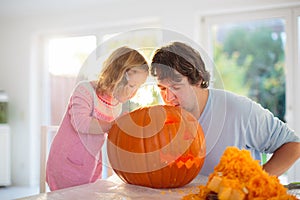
(43, 38)
(292, 48)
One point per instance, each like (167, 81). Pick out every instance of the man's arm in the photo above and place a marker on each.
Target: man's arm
(283, 158)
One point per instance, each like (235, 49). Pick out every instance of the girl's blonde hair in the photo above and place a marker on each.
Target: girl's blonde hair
(116, 65)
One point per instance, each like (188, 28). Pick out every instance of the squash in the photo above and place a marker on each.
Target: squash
(157, 146)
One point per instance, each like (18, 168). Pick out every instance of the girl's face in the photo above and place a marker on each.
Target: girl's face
(135, 78)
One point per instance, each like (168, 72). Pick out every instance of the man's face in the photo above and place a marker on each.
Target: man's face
(180, 93)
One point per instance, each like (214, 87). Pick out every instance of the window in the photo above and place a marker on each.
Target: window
(65, 58)
(72, 59)
(250, 58)
(254, 54)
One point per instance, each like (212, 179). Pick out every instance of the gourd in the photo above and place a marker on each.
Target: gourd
(158, 146)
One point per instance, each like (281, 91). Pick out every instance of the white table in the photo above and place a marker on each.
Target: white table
(114, 188)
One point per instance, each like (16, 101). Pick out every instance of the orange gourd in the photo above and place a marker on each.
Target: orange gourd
(158, 146)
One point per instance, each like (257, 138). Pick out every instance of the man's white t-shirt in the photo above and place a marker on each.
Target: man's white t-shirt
(232, 120)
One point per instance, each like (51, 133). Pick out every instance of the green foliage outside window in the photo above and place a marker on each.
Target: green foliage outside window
(251, 62)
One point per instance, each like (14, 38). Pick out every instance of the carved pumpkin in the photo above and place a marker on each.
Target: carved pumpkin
(158, 146)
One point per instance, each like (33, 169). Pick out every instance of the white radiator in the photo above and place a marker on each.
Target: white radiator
(5, 179)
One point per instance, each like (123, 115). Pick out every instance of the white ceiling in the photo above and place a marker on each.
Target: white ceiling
(19, 8)
(34, 7)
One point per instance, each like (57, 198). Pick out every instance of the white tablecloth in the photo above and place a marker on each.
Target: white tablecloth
(114, 188)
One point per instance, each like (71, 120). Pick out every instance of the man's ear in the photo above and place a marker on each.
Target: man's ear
(198, 84)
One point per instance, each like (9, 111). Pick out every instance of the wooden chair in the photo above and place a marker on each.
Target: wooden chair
(47, 135)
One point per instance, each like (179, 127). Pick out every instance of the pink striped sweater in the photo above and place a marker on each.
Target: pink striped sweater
(75, 155)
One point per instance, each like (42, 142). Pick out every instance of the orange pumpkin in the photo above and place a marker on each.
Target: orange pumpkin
(158, 146)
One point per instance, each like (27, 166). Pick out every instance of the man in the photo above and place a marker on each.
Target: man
(227, 119)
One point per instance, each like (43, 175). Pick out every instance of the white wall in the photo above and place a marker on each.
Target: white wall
(20, 63)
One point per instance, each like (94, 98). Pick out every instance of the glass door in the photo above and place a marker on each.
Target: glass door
(252, 53)
(65, 58)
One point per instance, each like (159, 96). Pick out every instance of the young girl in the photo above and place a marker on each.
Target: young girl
(75, 155)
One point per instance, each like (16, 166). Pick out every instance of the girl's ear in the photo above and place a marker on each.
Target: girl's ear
(127, 76)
